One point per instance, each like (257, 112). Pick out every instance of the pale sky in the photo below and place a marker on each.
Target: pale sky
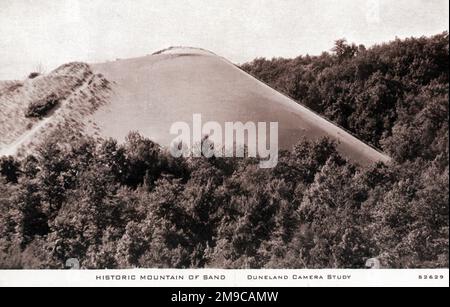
(54, 32)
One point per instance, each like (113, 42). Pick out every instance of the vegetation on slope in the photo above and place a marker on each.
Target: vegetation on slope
(388, 95)
(41, 107)
(69, 93)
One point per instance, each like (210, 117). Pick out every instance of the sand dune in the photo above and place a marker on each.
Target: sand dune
(152, 92)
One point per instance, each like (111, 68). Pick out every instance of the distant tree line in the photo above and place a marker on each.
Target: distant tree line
(393, 96)
(130, 205)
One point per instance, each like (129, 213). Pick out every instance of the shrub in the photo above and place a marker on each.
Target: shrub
(9, 168)
(33, 75)
(41, 107)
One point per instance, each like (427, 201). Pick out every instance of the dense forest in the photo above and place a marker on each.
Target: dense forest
(129, 205)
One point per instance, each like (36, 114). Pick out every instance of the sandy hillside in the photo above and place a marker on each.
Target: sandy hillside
(149, 94)
(152, 92)
(79, 90)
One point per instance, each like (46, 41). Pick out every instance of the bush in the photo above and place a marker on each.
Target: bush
(41, 107)
(33, 75)
(9, 169)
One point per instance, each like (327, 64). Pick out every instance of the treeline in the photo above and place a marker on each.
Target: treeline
(134, 205)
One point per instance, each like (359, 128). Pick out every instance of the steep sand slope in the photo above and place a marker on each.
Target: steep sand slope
(80, 92)
(152, 92)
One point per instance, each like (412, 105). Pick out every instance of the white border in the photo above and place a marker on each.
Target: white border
(225, 278)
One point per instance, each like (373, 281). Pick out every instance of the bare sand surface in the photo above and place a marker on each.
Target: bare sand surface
(152, 92)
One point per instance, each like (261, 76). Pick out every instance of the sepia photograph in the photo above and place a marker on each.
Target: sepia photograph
(280, 138)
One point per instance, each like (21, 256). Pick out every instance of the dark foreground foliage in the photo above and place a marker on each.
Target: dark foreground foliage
(133, 205)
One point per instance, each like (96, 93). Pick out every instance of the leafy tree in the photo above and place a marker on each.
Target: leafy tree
(344, 50)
